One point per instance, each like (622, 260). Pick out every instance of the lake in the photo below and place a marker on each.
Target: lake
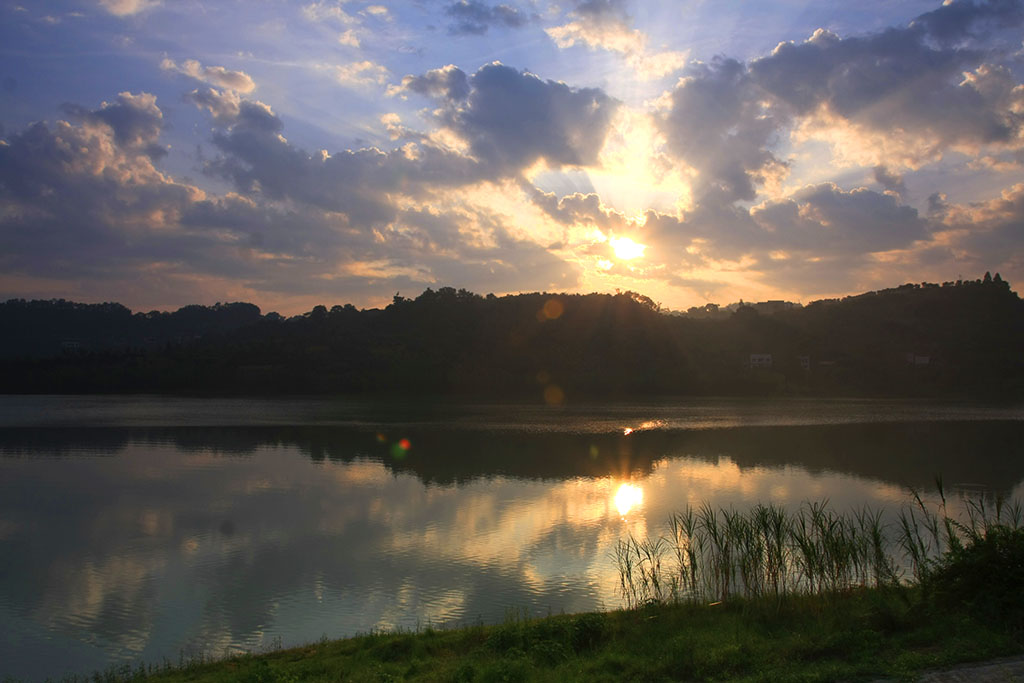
(149, 528)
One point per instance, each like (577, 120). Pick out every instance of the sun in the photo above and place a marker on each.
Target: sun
(626, 249)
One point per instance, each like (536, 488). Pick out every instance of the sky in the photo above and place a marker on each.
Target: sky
(160, 153)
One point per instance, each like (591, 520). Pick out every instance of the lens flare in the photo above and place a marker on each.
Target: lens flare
(553, 395)
(628, 497)
(400, 448)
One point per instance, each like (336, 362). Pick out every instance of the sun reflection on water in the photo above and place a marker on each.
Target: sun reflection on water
(628, 497)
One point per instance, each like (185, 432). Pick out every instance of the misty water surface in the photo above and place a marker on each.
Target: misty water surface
(144, 528)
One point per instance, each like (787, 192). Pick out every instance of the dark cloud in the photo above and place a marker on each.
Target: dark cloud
(602, 10)
(472, 17)
(72, 198)
(580, 209)
(358, 184)
(823, 219)
(300, 223)
(957, 21)
(719, 124)
(819, 222)
(921, 81)
(512, 119)
(906, 95)
(988, 234)
(889, 180)
(222, 106)
(447, 83)
(135, 120)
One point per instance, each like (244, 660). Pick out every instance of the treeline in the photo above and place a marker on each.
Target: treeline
(915, 340)
(42, 329)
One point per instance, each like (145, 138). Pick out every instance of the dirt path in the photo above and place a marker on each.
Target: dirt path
(994, 671)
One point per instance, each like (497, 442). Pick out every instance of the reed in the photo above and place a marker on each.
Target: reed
(710, 554)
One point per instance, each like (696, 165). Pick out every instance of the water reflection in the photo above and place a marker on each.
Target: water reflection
(125, 544)
(627, 497)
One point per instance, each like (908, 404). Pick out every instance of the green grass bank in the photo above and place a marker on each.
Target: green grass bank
(863, 634)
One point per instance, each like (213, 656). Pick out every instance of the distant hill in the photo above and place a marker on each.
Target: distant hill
(957, 339)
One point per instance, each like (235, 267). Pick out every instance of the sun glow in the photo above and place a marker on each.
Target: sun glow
(626, 248)
(628, 497)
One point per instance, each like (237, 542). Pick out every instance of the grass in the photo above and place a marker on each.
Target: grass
(711, 555)
(813, 595)
(860, 634)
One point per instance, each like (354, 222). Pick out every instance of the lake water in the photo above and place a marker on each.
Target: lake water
(145, 528)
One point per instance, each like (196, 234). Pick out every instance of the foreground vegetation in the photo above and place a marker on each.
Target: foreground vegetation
(837, 610)
(769, 551)
(857, 635)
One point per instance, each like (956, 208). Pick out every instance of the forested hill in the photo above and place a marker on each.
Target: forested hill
(959, 339)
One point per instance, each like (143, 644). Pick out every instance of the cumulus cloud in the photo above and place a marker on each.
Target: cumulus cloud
(717, 122)
(605, 25)
(907, 93)
(218, 76)
(512, 119)
(447, 83)
(581, 209)
(894, 99)
(891, 181)
(820, 231)
(826, 220)
(298, 224)
(223, 106)
(473, 17)
(134, 120)
(986, 234)
(110, 193)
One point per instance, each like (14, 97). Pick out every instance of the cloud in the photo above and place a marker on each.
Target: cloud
(473, 17)
(826, 220)
(224, 106)
(299, 225)
(605, 25)
(447, 83)
(820, 231)
(326, 11)
(124, 8)
(893, 182)
(986, 235)
(897, 98)
(903, 95)
(218, 76)
(717, 122)
(348, 38)
(134, 120)
(361, 73)
(512, 119)
(111, 196)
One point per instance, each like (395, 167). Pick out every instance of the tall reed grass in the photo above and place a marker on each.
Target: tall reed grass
(710, 554)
